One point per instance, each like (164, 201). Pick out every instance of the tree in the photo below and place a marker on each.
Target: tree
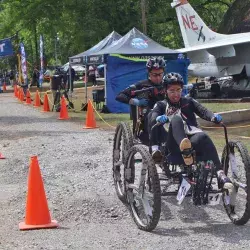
(80, 24)
(237, 18)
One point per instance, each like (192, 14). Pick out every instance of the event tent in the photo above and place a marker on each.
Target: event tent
(80, 58)
(125, 64)
(134, 43)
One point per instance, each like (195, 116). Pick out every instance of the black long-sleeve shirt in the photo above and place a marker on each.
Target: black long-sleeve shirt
(188, 109)
(125, 95)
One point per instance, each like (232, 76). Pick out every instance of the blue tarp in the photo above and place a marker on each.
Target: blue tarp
(124, 71)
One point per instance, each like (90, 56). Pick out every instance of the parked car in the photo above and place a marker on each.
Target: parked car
(79, 69)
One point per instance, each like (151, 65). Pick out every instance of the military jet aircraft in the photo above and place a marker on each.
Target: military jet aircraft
(211, 53)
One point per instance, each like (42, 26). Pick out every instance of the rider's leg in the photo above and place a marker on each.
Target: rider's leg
(205, 150)
(178, 141)
(157, 136)
(144, 134)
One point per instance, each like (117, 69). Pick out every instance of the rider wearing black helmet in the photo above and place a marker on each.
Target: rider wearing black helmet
(183, 132)
(155, 67)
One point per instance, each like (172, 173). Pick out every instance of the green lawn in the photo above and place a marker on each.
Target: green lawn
(109, 121)
(113, 119)
(220, 107)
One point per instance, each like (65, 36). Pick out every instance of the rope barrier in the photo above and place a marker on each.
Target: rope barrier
(100, 115)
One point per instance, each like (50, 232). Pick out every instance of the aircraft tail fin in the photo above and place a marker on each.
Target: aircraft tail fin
(194, 30)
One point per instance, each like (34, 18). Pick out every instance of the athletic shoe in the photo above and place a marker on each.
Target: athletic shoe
(157, 156)
(186, 151)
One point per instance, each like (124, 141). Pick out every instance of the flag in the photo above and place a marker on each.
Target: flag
(24, 64)
(41, 61)
(6, 47)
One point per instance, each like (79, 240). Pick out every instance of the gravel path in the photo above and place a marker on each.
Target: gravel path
(76, 168)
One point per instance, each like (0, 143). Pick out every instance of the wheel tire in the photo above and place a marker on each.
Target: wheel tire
(246, 161)
(123, 141)
(152, 181)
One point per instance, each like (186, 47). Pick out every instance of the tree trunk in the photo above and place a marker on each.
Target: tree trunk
(237, 18)
(144, 20)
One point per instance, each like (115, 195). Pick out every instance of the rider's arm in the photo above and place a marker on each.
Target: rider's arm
(159, 109)
(201, 111)
(125, 95)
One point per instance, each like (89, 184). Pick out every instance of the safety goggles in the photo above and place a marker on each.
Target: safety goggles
(172, 92)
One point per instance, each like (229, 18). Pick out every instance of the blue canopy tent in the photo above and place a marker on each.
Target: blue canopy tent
(81, 59)
(123, 71)
(125, 61)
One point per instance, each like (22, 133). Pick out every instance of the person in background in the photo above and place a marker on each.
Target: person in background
(155, 67)
(91, 75)
(71, 84)
(35, 77)
(12, 76)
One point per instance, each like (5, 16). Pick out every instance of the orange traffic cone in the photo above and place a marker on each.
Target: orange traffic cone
(17, 93)
(46, 104)
(1, 156)
(64, 111)
(4, 86)
(90, 120)
(28, 99)
(37, 100)
(37, 212)
(21, 95)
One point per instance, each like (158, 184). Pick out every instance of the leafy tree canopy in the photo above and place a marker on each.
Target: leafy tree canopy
(70, 27)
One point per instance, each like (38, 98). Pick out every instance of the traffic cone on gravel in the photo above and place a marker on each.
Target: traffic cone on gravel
(4, 86)
(18, 93)
(21, 95)
(90, 119)
(63, 111)
(15, 91)
(37, 100)
(37, 214)
(46, 103)
(28, 99)
(1, 156)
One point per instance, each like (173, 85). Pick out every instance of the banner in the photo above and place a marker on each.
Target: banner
(41, 61)
(6, 47)
(24, 64)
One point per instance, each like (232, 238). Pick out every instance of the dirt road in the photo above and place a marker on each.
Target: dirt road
(76, 169)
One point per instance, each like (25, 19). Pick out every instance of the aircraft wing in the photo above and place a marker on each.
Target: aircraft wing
(228, 41)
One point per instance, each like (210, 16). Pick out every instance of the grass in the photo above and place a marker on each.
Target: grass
(219, 140)
(220, 107)
(109, 121)
(113, 119)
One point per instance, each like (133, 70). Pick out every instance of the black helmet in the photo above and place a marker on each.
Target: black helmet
(173, 78)
(155, 63)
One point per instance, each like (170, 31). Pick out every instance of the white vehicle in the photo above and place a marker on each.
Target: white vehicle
(211, 53)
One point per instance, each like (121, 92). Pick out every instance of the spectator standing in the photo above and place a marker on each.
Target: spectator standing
(12, 76)
(71, 84)
(91, 74)
(35, 77)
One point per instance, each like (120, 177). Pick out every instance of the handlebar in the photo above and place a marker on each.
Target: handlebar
(145, 90)
(154, 90)
(221, 124)
(225, 132)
